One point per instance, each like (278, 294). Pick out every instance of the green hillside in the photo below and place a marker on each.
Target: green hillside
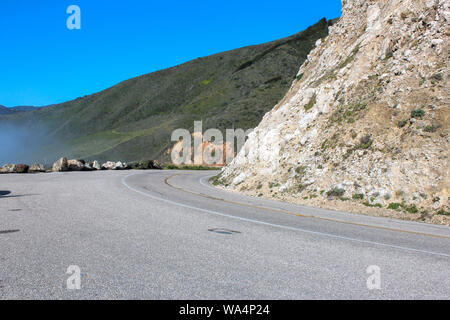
(134, 119)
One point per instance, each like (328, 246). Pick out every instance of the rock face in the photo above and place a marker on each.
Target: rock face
(60, 165)
(367, 119)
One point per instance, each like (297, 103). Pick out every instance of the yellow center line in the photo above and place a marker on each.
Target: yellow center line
(298, 214)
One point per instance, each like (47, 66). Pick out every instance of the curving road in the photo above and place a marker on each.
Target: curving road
(170, 235)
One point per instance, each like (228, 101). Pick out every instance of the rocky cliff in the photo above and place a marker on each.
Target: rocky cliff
(365, 127)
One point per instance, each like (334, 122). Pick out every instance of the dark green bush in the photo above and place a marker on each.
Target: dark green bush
(216, 180)
(365, 142)
(430, 128)
(336, 192)
(311, 103)
(358, 196)
(376, 205)
(412, 209)
(417, 113)
(394, 205)
(402, 123)
(442, 212)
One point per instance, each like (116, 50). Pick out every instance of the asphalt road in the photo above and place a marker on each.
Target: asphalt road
(170, 235)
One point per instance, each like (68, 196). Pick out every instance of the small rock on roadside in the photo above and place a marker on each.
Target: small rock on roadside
(8, 168)
(145, 165)
(60, 165)
(36, 167)
(75, 165)
(22, 168)
(111, 165)
(95, 165)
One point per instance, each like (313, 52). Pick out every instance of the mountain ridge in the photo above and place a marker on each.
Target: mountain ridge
(6, 110)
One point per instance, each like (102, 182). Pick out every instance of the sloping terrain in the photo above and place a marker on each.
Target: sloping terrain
(134, 119)
(366, 127)
(5, 110)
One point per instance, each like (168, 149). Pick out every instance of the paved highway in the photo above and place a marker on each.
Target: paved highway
(170, 235)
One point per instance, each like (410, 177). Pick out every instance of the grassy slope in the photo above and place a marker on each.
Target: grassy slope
(134, 119)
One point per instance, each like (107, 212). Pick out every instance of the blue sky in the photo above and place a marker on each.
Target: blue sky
(42, 62)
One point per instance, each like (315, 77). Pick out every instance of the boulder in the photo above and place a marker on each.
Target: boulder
(156, 165)
(60, 165)
(87, 167)
(8, 168)
(36, 168)
(95, 165)
(14, 168)
(75, 165)
(109, 165)
(134, 165)
(145, 165)
(120, 165)
(22, 168)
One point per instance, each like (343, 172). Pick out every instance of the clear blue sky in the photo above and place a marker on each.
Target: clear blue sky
(42, 62)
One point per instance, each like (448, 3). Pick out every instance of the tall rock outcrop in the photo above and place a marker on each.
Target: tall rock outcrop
(366, 121)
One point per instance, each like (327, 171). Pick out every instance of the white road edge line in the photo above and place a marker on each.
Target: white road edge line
(272, 224)
(413, 223)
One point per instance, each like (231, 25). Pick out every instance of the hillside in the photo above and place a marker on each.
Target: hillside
(134, 119)
(4, 110)
(366, 127)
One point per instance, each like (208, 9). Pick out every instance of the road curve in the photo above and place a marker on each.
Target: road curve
(171, 235)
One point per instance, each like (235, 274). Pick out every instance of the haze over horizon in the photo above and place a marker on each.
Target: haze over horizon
(48, 64)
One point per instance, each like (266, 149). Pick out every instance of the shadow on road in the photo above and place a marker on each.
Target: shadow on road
(8, 231)
(6, 194)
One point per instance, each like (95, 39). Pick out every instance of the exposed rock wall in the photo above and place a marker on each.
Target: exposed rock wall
(366, 121)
